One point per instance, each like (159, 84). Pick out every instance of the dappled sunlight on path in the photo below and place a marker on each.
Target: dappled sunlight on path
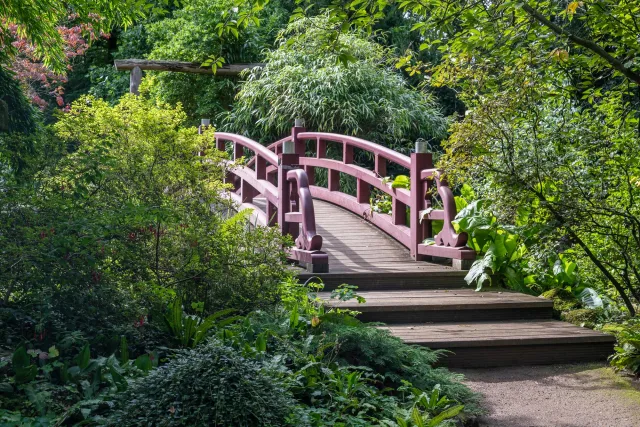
(556, 396)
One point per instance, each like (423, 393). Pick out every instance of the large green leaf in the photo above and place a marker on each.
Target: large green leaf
(20, 358)
(25, 374)
(84, 357)
(445, 415)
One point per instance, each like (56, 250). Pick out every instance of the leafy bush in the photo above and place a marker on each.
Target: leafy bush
(304, 79)
(213, 385)
(66, 381)
(395, 361)
(627, 350)
(343, 371)
(122, 221)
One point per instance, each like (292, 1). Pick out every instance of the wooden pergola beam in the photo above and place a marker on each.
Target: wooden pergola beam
(182, 67)
(137, 65)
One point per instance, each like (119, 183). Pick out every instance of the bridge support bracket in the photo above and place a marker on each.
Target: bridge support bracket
(312, 261)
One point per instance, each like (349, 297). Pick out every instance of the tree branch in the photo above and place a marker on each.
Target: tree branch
(594, 47)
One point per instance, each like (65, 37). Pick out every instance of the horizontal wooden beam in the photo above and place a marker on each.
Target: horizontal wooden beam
(182, 67)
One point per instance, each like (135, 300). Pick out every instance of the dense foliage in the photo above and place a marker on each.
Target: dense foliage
(127, 212)
(37, 22)
(193, 33)
(16, 115)
(304, 79)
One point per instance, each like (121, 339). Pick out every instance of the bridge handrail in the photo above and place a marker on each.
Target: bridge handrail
(259, 149)
(351, 141)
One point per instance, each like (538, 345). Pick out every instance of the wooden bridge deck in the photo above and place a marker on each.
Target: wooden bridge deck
(430, 304)
(355, 245)
(360, 254)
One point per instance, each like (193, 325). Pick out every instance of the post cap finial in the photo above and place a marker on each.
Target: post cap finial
(422, 146)
(288, 147)
(205, 122)
(299, 123)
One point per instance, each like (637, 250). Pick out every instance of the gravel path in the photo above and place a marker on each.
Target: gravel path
(556, 396)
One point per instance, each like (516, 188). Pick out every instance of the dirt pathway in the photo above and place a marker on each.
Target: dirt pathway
(556, 396)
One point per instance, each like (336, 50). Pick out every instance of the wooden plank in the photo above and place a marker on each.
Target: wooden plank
(533, 354)
(450, 335)
(460, 299)
(182, 67)
(354, 245)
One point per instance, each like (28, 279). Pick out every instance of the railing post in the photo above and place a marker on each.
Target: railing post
(380, 166)
(286, 160)
(420, 160)
(300, 146)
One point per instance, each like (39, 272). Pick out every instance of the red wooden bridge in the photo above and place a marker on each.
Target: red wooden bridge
(416, 288)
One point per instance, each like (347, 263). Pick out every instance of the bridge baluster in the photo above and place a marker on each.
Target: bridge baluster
(363, 191)
(238, 151)
(261, 167)
(347, 153)
(398, 212)
(247, 192)
(333, 180)
(380, 166)
(321, 150)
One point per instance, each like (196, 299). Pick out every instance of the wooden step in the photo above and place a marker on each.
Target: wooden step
(508, 343)
(443, 305)
(388, 280)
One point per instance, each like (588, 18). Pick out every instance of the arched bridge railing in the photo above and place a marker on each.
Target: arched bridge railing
(418, 198)
(285, 190)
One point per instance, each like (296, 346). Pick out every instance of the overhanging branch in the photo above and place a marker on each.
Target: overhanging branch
(594, 47)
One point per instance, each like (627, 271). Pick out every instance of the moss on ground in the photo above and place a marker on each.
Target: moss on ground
(628, 386)
(563, 301)
(586, 317)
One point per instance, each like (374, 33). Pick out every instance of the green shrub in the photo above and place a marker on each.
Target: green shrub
(55, 381)
(123, 220)
(627, 350)
(396, 361)
(211, 385)
(342, 368)
(303, 79)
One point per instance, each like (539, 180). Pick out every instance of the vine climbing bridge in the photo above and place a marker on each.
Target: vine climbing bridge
(411, 276)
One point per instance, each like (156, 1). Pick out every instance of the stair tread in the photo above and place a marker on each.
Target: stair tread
(496, 333)
(438, 299)
(394, 270)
